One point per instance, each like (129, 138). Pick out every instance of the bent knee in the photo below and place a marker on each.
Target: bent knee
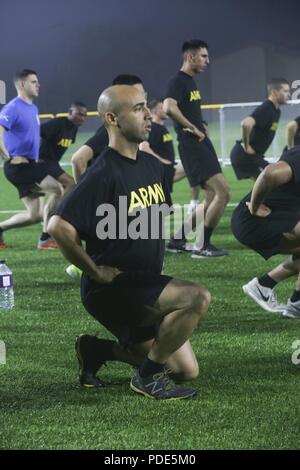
(203, 298)
(224, 195)
(57, 190)
(60, 191)
(35, 218)
(200, 298)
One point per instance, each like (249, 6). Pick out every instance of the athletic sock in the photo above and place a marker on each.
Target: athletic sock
(149, 367)
(45, 236)
(105, 349)
(267, 281)
(207, 234)
(296, 296)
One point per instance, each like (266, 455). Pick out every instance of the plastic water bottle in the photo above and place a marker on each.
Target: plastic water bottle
(6, 287)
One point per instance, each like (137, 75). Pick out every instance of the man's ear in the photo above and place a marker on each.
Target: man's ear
(111, 119)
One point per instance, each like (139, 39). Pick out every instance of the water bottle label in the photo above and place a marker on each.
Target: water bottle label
(6, 280)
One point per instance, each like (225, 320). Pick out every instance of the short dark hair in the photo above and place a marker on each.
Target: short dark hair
(193, 44)
(78, 104)
(276, 84)
(153, 103)
(125, 79)
(21, 74)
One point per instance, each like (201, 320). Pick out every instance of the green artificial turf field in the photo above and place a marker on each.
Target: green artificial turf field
(248, 387)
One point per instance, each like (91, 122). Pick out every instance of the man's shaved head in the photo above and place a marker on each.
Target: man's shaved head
(113, 99)
(123, 110)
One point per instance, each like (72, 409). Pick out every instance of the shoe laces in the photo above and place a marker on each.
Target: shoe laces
(165, 380)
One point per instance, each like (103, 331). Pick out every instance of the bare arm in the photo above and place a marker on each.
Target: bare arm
(145, 147)
(292, 129)
(69, 244)
(3, 150)
(247, 125)
(172, 110)
(80, 161)
(273, 176)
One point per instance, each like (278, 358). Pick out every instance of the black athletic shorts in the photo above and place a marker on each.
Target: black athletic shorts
(199, 159)
(120, 305)
(262, 234)
(245, 165)
(24, 176)
(53, 168)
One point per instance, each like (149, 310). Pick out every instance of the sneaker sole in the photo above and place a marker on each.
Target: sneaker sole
(45, 248)
(207, 257)
(174, 250)
(142, 392)
(261, 303)
(290, 315)
(177, 250)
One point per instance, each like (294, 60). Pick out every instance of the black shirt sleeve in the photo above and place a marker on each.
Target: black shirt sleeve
(50, 129)
(175, 90)
(98, 141)
(262, 115)
(155, 137)
(292, 158)
(79, 207)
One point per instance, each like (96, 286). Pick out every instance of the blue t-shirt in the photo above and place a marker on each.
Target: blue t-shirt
(21, 120)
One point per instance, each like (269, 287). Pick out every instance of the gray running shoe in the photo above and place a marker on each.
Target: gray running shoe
(160, 386)
(263, 296)
(178, 246)
(210, 251)
(292, 310)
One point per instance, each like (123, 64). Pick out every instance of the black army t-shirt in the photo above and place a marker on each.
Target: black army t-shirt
(266, 118)
(141, 182)
(161, 142)
(287, 196)
(183, 89)
(57, 136)
(98, 142)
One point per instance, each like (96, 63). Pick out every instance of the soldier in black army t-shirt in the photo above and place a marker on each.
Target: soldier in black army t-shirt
(56, 137)
(267, 220)
(160, 144)
(198, 156)
(152, 315)
(247, 156)
(88, 153)
(94, 146)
